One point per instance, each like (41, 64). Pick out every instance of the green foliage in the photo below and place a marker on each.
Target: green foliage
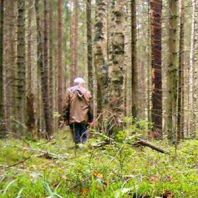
(133, 129)
(135, 126)
(113, 170)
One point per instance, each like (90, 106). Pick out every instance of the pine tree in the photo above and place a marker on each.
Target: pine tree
(180, 119)
(30, 96)
(89, 45)
(29, 48)
(60, 61)
(117, 68)
(21, 82)
(191, 75)
(74, 41)
(156, 55)
(194, 63)
(1, 65)
(172, 71)
(42, 62)
(51, 61)
(134, 69)
(99, 55)
(149, 67)
(45, 72)
(10, 58)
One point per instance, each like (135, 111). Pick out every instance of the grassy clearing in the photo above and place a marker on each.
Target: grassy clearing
(117, 170)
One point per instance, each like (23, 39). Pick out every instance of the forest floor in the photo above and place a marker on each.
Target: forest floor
(32, 169)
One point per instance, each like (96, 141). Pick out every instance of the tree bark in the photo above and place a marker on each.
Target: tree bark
(74, 41)
(60, 61)
(29, 48)
(191, 74)
(99, 55)
(9, 62)
(51, 62)
(21, 82)
(30, 113)
(30, 96)
(180, 118)
(172, 71)
(1, 66)
(194, 63)
(149, 68)
(45, 76)
(117, 68)
(147, 144)
(89, 46)
(134, 69)
(156, 56)
(42, 62)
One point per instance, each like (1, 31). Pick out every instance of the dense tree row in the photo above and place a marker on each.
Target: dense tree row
(139, 58)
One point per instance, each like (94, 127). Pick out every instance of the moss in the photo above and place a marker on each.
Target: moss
(109, 171)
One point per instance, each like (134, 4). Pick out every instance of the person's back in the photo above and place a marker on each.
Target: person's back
(77, 110)
(79, 100)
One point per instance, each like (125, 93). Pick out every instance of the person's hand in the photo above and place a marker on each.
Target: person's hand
(92, 124)
(66, 122)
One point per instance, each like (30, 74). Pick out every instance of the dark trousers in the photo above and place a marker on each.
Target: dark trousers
(79, 132)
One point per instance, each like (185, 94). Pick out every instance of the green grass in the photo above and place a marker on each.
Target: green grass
(117, 170)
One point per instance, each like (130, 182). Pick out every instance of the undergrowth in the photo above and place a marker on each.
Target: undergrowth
(38, 169)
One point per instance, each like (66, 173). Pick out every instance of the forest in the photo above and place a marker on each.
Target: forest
(139, 61)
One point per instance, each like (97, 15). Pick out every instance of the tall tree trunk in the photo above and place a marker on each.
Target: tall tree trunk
(7, 90)
(149, 68)
(45, 87)
(117, 68)
(194, 63)
(60, 61)
(99, 55)
(42, 61)
(180, 118)
(156, 54)
(51, 61)
(1, 66)
(21, 83)
(30, 95)
(29, 49)
(172, 71)
(191, 75)
(39, 63)
(89, 46)
(74, 41)
(66, 48)
(134, 69)
(10, 55)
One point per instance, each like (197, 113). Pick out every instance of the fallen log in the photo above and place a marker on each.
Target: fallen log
(46, 154)
(141, 142)
(100, 144)
(19, 162)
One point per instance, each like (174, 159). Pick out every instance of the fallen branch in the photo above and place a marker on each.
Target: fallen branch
(141, 142)
(46, 154)
(19, 162)
(100, 144)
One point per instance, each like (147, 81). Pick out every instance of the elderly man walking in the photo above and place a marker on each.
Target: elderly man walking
(77, 111)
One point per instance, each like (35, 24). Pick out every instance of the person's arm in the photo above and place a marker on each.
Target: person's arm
(90, 112)
(66, 107)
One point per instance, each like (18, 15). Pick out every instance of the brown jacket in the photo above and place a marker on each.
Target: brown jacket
(77, 107)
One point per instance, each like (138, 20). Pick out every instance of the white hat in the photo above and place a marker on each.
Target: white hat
(79, 80)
